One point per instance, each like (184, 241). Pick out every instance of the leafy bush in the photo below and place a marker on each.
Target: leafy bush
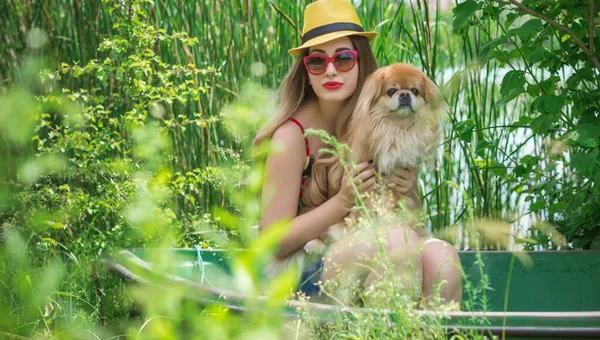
(549, 51)
(90, 167)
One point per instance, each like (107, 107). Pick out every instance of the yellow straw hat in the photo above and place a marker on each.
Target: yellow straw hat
(326, 20)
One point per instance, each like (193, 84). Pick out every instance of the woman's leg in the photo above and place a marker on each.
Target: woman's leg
(356, 258)
(441, 263)
(403, 250)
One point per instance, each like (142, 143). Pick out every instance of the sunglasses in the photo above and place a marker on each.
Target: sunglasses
(343, 61)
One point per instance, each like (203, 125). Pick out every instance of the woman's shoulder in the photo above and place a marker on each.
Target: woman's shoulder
(292, 133)
(287, 131)
(289, 136)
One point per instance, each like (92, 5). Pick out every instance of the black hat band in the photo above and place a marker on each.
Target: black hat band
(330, 28)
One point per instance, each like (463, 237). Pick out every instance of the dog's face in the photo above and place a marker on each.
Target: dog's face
(397, 119)
(400, 90)
(403, 88)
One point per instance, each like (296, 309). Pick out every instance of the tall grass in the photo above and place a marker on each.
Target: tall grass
(246, 41)
(238, 36)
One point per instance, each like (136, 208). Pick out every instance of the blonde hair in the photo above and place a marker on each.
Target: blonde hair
(295, 90)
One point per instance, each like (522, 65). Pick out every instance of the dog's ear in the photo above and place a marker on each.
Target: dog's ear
(360, 126)
(432, 94)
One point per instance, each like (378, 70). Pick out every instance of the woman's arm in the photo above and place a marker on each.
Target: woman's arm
(281, 189)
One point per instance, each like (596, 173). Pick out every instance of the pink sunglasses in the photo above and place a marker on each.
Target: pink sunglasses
(343, 61)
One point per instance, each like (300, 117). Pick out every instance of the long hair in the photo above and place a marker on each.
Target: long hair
(318, 189)
(294, 91)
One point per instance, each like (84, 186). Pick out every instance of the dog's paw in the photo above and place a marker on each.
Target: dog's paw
(410, 203)
(314, 246)
(336, 231)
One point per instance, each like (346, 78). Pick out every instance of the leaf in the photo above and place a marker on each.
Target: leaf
(538, 55)
(533, 90)
(514, 54)
(529, 160)
(520, 170)
(511, 17)
(597, 184)
(464, 129)
(584, 163)
(557, 207)
(463, 13)
(577, 9)
(528, 30)
(585, 136)
(544, 122)
(497, 169)
(551, 104)
(512, 86)
(523, 121)
(549, 84)
(490, 166)
(538, 205)
(383, 23)
(555, 103)
(500, 56)
(49, 240)
(586, 73)
(483, 146)
(484, 51)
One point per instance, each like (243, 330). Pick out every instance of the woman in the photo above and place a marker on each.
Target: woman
(320, 92)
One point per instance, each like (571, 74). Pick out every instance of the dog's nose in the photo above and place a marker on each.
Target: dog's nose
(404, 98)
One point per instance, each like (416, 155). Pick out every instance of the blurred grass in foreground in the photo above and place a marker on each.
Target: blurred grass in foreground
(137, 135)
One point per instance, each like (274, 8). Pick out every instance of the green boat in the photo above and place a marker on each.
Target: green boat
(553, 294)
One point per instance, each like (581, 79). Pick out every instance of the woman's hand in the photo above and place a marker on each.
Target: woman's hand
(403, 181)
(362, 176)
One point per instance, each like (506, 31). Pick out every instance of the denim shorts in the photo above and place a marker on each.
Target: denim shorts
(311, 275)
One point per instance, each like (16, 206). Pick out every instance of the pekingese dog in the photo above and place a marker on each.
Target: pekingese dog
(397, 123)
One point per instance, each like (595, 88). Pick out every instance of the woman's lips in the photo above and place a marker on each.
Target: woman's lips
(332, 85)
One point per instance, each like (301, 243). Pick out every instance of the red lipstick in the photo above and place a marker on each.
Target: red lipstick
(332, 85)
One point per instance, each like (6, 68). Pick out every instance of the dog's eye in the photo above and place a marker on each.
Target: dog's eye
(415, 91)
(391, 91)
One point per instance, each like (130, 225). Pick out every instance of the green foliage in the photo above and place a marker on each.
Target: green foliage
(89, 166)
(120, 143)
(548, 48)
(121, 122)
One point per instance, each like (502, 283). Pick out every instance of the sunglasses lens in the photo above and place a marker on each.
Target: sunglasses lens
(316, 64)
(344, 61)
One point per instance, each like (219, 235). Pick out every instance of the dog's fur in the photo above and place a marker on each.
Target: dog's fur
(394, 129)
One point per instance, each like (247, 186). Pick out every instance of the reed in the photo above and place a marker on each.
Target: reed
(234, 36)
(241, 42)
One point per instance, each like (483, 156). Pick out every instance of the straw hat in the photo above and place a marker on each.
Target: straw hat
(325, 20)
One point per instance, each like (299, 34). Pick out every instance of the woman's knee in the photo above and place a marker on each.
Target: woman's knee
(440, 256)
(402, 245)
(401, 238)
(355, 253)
(441, 263)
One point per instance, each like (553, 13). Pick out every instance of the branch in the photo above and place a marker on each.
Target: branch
(561, 27)
(287, 18)
(591, 26)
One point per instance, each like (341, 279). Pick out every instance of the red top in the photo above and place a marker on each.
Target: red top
(307, 165)
(305, 142)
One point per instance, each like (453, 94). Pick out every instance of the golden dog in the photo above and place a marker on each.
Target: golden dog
(397, 123)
